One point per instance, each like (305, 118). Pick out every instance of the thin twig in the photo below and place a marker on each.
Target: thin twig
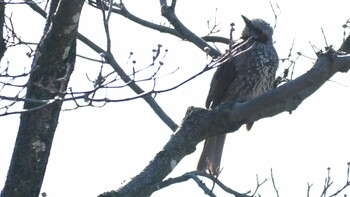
(194, 175)
(274, 184)
(308, 189)
(324, 37)
(258, 184)
(347, 183)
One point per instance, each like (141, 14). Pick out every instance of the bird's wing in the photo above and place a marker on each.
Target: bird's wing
(229, 67)
(222, 77)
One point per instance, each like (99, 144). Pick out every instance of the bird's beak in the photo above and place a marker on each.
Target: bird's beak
(248, 22)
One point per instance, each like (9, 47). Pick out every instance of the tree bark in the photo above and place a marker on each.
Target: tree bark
(2, 23)
(51, 69)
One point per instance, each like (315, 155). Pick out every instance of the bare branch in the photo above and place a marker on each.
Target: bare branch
(274, 184)
(324, 37)
(106, 26)
(123, 11)
(110, 59)
(308, 189)
(169, 13)
(185, 177)
(274, 13)
(327, 183)
(258, 184)
(6, 113)
(216, 39)
(213, 28)
(347, 183)
(194, 175)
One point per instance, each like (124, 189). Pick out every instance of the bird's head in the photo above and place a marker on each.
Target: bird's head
(258, 29)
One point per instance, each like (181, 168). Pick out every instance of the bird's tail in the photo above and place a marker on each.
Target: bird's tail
(249, 125)
(211, 155)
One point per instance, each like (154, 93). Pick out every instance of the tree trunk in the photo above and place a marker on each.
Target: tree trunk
(2, 23)
(51, 69)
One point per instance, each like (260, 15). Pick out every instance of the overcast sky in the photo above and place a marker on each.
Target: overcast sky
(97, 149)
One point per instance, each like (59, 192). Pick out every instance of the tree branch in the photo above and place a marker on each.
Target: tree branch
(347, 183)
(216, 39)
(137, 89)
(123, 11)
(199, 124)
(185, 177)
(274, 184)
(194, 175)
(169, 13)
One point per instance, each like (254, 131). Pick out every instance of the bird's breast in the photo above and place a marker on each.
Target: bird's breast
(256, 75)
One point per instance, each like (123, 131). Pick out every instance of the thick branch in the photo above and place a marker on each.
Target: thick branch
(216, 39)
(199, 124)
(161, 28)
(169, 13)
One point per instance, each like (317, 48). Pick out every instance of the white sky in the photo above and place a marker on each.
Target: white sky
(96, 149)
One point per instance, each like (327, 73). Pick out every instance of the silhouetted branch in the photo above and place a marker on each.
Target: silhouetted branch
(106, 26)
(346, 185)
(123, 11)
(216, 39)
(274, 13)
(213, 28)
(6, 113)
(185, 177)
(194, 175)
(274, 183)
(169, 13)
(258, 184)
(308, 189)
(110, 59)
(328, 183)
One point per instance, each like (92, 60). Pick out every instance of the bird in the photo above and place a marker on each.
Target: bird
(244, 72)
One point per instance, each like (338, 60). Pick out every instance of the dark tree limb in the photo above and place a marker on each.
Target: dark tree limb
(2, 23)
(169, 13)
(163, 29)
(123, 11)
(217, 39)
(198, 124)
(52, 66)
